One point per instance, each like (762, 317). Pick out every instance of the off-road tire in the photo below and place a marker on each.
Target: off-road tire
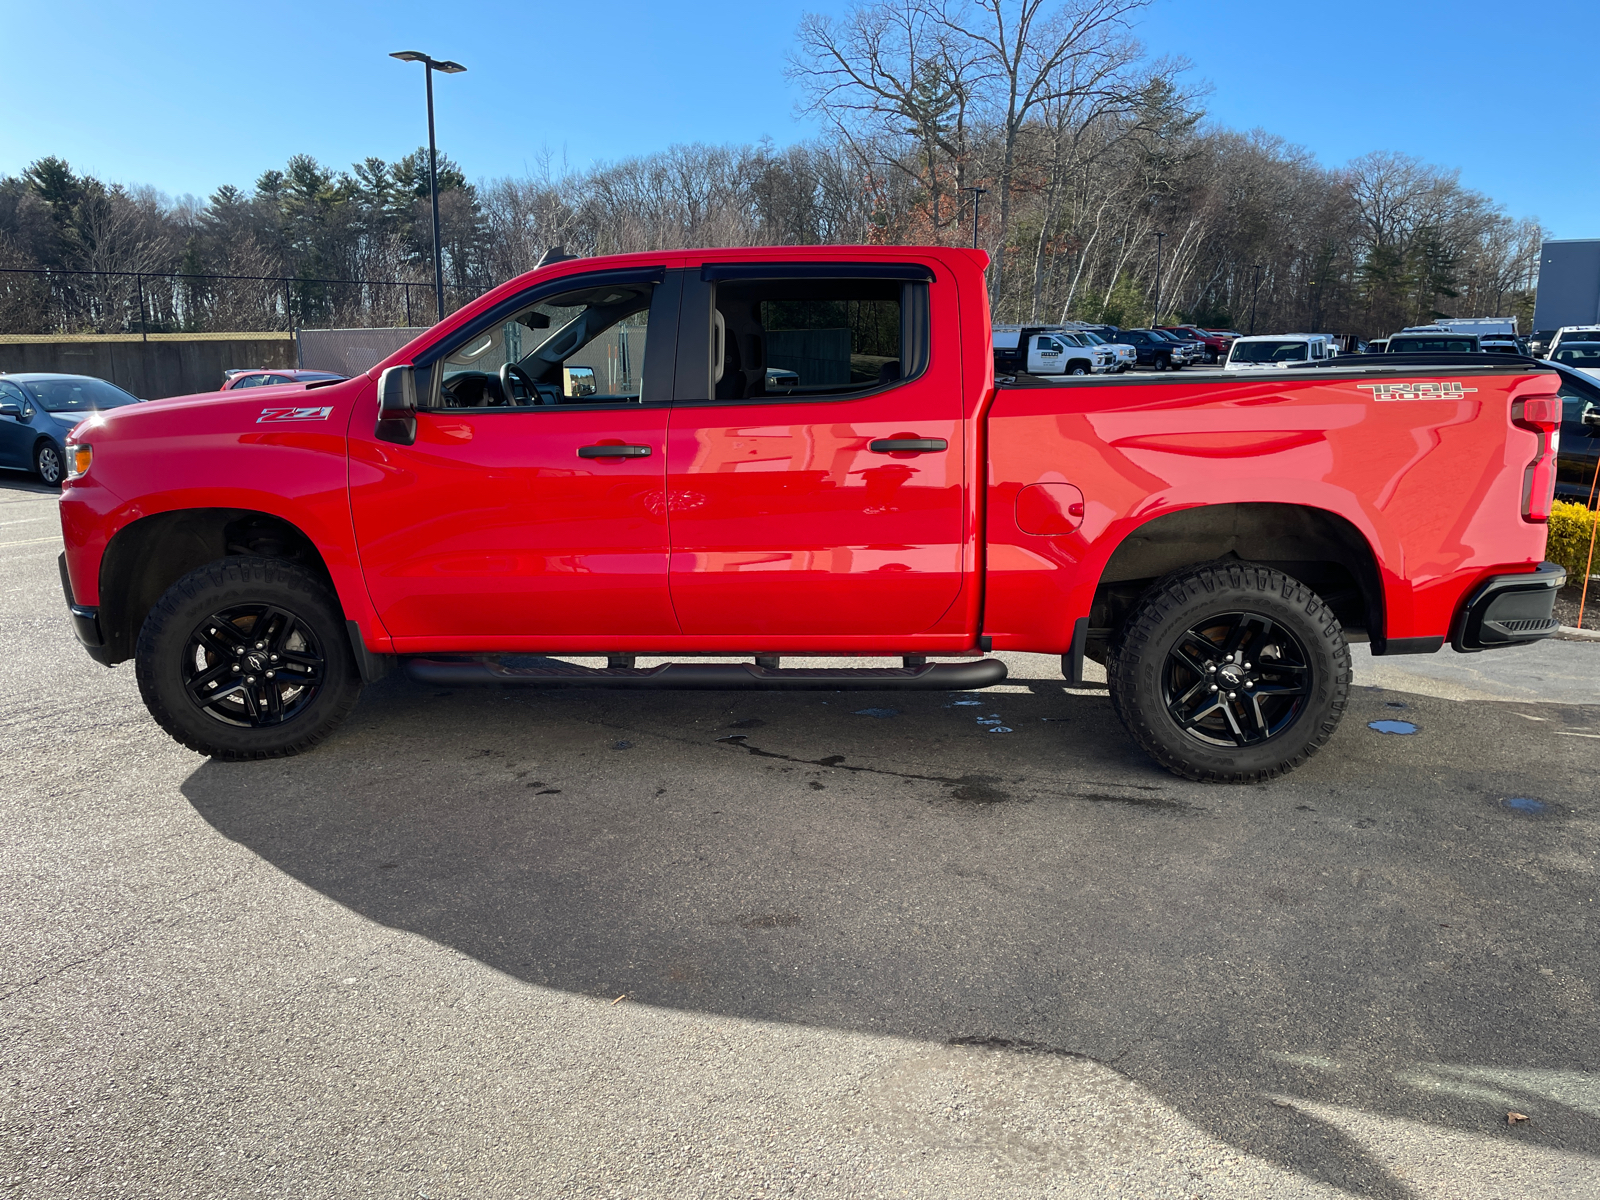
(228, 585)
(47, 464)
(1136, 667)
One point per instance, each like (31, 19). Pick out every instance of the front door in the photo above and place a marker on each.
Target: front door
(815, 461)
(16, 431)
(532, 503)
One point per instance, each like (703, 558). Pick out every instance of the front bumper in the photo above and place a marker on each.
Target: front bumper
(1509, 610)
(85, 618)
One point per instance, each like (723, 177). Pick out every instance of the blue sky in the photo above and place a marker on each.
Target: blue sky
(187, 96)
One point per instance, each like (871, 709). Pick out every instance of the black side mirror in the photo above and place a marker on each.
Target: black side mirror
(397, 406)
(9, 408)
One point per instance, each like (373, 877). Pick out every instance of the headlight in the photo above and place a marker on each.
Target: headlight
(79, 455)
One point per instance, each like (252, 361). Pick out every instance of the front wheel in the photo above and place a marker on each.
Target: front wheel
(247, 658)
(1230, 673)
(1161, 363)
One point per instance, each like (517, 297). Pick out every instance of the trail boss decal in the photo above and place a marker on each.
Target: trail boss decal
(1416, 391)
(273, 415)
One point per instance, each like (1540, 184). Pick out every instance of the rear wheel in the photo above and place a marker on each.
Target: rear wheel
(247, 658)
(1231, 673)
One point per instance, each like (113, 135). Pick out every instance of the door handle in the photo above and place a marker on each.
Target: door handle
(907, 445)
(614, 450)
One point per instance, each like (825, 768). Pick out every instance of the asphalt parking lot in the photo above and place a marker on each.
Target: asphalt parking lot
(507, 943)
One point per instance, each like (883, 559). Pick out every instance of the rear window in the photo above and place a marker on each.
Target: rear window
(1583, 355)
(816, 337)
(1432, 345)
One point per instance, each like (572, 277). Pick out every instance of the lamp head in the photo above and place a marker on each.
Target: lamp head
(410, 56)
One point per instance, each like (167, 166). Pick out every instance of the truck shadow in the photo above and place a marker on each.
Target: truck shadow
(886, 863)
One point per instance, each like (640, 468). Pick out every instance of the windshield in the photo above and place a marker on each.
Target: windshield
(1071, 339)
(1268, 352)
(1583, 355)
(77, 393)
(1094, 339)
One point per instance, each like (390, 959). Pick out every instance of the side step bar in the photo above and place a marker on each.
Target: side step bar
(549, 672)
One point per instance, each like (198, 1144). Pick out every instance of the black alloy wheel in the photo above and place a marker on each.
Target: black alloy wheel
(1236, 679)
(247, 658)
(1230, 672)
(252, 665)
(47, 464)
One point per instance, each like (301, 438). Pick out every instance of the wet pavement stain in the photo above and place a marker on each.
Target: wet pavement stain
(1402, 727)
(1523, 804)
(880, 713)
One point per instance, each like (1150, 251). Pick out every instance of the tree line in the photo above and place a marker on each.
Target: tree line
(1085, 168)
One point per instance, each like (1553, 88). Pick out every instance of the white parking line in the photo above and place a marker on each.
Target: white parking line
(26, 521)
(1567, 733)
(30, 542)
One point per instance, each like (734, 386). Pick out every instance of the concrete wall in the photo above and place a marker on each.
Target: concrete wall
(168, 364)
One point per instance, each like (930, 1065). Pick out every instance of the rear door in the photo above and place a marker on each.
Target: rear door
(815, 461)
(532, 503)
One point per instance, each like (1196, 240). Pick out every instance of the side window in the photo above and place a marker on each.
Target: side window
(1575, 405)
(250, 381)
(586, 345)
(815, 338)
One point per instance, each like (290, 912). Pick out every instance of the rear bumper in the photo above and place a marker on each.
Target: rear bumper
(85, 619)
(1509, 610)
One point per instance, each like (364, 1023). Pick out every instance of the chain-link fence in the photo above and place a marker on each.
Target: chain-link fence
(44, 300)
(349, 351)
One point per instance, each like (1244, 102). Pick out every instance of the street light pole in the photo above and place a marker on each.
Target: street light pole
(429, 65)
(977, 194)
(1159, 236)
(1256, 292)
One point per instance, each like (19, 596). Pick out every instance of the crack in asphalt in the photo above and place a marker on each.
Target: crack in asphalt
(155, 918)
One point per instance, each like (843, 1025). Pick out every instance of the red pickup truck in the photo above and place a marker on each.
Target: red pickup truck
(788, 452)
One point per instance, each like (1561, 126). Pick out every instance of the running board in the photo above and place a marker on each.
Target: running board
(549, 672)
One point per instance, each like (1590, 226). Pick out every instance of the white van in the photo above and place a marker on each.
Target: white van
(1279, 351)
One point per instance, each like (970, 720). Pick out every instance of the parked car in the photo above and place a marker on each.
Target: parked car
(38, 410)
(249, 377)
(1539, 341)
(1504, 343)
(1278, 351)
(1572, 333)
(1378, 346)
(1579, 455)
(1109, 335)
(1155, 350)
(1580, 356)
(259, 557)
(1216, 344)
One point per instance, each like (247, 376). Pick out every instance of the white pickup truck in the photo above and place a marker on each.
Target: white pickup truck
(1049, 350)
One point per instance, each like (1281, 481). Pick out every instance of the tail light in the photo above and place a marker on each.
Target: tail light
(1542, 415)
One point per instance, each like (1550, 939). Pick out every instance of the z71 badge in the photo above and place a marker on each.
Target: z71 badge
(274, 415)
(1416, 391)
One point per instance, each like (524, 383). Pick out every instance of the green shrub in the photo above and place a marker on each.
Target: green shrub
(1571, 527)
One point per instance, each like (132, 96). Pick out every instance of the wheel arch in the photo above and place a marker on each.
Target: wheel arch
(1322, 549)
(149, 555)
